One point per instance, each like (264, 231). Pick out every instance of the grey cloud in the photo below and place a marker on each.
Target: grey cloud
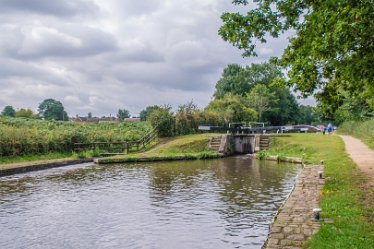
(128, 54)
(143, 7)
(32, 42)
(47, 7)
(137, 51)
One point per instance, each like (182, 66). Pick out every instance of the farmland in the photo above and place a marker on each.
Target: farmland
(20, 136)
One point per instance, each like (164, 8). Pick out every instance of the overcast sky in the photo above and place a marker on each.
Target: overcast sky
(100, 55)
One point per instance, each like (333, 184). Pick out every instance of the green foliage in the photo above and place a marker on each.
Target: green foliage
(286, 109)
(25, 113)
(163, 120)
(332, 49)
(87, 154)
(262, 154)
(363, 130)
(273, 101)
(20, 136)
(8, 111)
(123, 113)
(188, 118)
(308, 115)
(144, 114)
(232, 108)
(51, 109)
(239, 81)
(262, 100)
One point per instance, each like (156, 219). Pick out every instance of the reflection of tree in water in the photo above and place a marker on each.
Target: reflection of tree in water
(249, 188)
(61, 179)
(175, 177)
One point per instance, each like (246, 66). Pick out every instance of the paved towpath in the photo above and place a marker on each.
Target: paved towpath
(362, 155)
(294, 223)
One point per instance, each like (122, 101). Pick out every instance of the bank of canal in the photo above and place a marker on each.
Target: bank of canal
(221, 203)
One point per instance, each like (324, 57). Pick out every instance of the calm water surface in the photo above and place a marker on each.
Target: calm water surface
(226, 203)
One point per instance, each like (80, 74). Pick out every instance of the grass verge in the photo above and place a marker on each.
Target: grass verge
(181, 148)
(361, 130)
(30, 158)
(342, 195)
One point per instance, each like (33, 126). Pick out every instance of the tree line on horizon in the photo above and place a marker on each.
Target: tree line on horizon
(242, 94)
(50, 109)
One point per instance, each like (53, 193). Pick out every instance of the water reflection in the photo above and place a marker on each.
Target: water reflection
(226, 203)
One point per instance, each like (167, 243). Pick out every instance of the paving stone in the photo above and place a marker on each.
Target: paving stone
(273, 242)
(294, 224)
(277, 235)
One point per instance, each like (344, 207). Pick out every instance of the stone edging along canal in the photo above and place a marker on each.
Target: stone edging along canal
(33, 166)
(294, 222)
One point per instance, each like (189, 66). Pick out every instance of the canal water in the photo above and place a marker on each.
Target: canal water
(225, 203)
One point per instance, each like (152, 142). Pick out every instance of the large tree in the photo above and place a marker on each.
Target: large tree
(262, 100)
(8, 111)
(123, 113)
(232, 108)
(332, 50)
(51, 109)
(240, 80)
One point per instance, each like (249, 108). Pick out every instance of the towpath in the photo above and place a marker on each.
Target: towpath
(362, 155)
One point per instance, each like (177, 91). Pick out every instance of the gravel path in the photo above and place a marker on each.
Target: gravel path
(362, 155)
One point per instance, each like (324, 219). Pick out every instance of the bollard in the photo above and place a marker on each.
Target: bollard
(316, 214)
(320, 174)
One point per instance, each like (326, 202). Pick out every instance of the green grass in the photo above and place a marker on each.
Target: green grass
(361, 130)
(341, 197)
(50, 156)
(180, 148)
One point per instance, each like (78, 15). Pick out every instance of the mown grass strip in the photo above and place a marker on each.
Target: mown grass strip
(341, 197)
(180, 148)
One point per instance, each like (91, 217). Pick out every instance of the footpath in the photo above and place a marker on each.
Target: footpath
(362, 155)
(294, 223)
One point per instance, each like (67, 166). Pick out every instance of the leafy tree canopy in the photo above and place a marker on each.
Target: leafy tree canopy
(25, 113)
(144, 114)
(232, 108)
(262, 100)
(51, 109)
(332, 50)
(238, 80)
(123, 113)
(308, 115)
(8, 111)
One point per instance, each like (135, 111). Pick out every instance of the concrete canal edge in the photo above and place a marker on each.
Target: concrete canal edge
(41, 165)
(294, 222)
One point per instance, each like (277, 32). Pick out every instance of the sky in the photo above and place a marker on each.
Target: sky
(98, 56)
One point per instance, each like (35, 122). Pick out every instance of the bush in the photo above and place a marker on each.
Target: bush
(163, 120)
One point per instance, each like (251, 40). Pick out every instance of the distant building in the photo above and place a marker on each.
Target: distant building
(131, 120)
(80, 119)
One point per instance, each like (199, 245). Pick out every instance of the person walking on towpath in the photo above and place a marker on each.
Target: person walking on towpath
(329, 129)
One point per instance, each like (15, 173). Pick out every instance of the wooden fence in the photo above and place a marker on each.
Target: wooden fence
(119, 147)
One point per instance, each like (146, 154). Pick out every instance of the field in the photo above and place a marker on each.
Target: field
(19, 136)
